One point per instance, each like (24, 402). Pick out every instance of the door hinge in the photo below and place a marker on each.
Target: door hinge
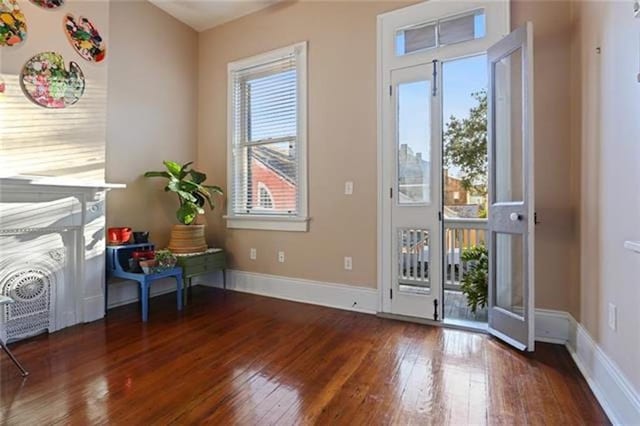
(390, 293)
(440, 216)
(435, 77)
(535, 218)
(390, 90)
(435, 309)
(390, 192)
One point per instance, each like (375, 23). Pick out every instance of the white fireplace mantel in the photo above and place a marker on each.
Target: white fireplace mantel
(45, 181)
(53, 231)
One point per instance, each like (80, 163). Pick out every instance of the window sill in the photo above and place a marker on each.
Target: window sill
(275, 223)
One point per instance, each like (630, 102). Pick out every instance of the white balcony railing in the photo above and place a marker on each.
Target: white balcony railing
(460, 234)
(413, 247)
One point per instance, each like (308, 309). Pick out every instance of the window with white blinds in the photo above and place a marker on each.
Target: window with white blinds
(267, 140)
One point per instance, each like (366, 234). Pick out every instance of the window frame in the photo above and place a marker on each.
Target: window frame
(265, 220)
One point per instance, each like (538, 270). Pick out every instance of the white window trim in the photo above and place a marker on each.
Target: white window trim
(272, 222)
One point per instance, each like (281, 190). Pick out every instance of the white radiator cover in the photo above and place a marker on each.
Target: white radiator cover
(51, 254)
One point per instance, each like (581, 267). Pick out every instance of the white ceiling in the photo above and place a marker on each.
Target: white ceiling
(204, 14)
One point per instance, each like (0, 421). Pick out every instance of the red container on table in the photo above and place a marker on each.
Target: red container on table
(119, 235)
(143, 255)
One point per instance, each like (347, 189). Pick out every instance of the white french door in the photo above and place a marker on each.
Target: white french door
(415, 194)
(413, 42)
(511, 191)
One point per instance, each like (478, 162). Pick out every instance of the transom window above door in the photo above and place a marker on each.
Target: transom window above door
(267, 167)
(442, 32)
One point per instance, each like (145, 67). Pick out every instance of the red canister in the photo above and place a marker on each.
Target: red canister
(118, 235)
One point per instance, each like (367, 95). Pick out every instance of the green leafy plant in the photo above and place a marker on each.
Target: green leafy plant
(166, 258)
(475, 280)
(188, 185)
(465, 145)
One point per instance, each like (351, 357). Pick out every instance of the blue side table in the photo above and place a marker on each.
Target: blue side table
(117, 256)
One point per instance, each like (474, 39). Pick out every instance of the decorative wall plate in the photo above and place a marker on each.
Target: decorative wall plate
(2, 86)
(13, 25)
(85, 38)
(46, 81)
(48, 4)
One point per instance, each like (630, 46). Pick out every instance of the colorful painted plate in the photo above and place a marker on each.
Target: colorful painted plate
(48, 4)
(85, 38)
(47, 83)
(13, 25)
(3, 87)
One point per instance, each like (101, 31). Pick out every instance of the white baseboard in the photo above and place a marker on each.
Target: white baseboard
(340, 296)
(612, 389)
(552, 326)
(125, 292)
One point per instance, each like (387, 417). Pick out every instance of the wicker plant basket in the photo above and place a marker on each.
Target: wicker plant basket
(187, 239)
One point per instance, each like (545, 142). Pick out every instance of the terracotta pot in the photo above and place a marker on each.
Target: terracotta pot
(148, 265)
(187, 239)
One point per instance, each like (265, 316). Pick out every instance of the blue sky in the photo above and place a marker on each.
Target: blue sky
(460, 78)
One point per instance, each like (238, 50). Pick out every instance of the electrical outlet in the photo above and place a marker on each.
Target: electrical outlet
(253, 254)
(348, 263)
(281, 256)
(348, 188)
(613, 317)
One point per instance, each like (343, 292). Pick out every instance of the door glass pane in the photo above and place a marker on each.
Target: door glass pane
(464, 114)
(509, 172)
(414, 142)
(413, 259)
(509, 274)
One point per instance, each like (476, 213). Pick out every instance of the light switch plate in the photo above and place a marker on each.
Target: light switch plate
(348, 188)
(613, 314)
(253, 254)
(348, 263)
(281, 256)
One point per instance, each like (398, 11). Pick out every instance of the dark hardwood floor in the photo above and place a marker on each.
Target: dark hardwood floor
(241, 359)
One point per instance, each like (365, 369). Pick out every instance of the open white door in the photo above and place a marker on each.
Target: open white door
(511, 191)
(413, 142)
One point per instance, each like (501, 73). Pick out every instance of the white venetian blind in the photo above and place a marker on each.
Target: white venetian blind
(265, 154)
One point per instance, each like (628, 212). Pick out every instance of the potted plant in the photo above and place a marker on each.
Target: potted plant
(166, 259)
(475, 281)
(193, 195)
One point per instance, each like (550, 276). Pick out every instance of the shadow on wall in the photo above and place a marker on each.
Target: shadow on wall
(143, 206)
(67, 142)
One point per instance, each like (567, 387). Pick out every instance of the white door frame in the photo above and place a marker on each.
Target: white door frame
(497, 26)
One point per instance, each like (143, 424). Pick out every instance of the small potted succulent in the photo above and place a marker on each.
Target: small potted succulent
(166, 259)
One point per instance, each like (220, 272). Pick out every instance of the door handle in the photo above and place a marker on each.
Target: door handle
(515, 217)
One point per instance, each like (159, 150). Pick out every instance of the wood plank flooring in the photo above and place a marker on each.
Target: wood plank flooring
(242, 359)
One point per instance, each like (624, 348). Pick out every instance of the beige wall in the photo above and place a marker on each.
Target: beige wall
(607, 128)
(342, 136)
(152, 116)
(342, 140)
(556, 235)
(69, 142)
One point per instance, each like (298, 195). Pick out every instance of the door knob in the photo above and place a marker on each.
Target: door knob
(515, 217)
